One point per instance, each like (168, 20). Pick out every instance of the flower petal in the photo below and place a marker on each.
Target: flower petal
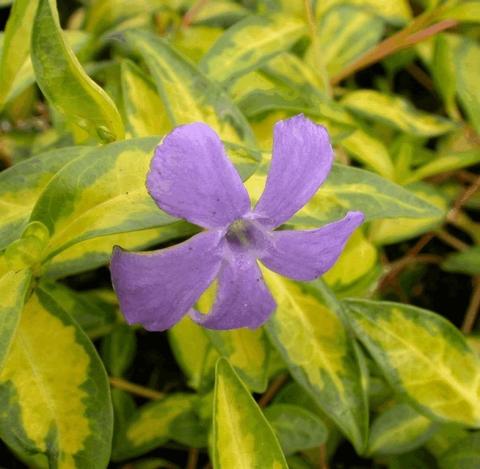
(158, 288)
(191, 177)
(305, 255)
(243, 300)
(301, 160)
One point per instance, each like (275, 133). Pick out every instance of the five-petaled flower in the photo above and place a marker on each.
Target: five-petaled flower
(192, 178)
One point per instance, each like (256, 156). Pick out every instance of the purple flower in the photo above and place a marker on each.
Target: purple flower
(192, 178)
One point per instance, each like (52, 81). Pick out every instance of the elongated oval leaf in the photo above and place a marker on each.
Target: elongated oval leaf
(193, 353)
(99, 194)
(95, 317)
(423, 356)
(370, 151)
(345, 32)
(103, 193)
(55, 392)
(242, 436)
(144, 110)
(399, 429)
(397, 12)
(348, 188)
(396, 112)
(395, 230)
(445, 163)
(118, 349)
(25, 76)
(16, 44)
(95, 252)
(64, 82)
(249, 44)
(464, 454)
(247, 351)
(310, 336)
(22, 184)
(296, 428)
(13, 291)
(466, 53)
(188, 95)
(466, 262)
(157, 422)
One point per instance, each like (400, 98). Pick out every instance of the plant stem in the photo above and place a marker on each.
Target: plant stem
(192, 13)
(192, 458)
(135, 389)
(323, 464)
(269, 394)
(451, 240)
(473, 307)
(397, 266)
(405, 38)
(462, 199)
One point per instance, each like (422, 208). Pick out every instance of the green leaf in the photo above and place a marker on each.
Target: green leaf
(247, 351)
(445, 163)
(370, 151)
(187, 94)
(467, 11)
(172, 418)
(25, 76)
(193, 353)
(466, 54)
(93, 253)
(144, 111)
(397, 12)
(16, 44)
(345, 32)
(417, 459)
(14, 287)
(399, 229)
(396, 112)
(423, 356)
(103, 15)
(248, 45)
(220, 12)
(104, 193)
(22, 184)
(307, 330)
(27, 251)
(242, 436)
(118, 349)
(465, 262)
(348, 188)
(96, 318)
(152, 463)
(100, 193)
(444, 73)
(447, 435)
(55, 392)
(399, 429)
(357, 260)
(463, 455)
(296, 428)
(64, 82)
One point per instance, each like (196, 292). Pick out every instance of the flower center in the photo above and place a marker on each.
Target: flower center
(240, 234)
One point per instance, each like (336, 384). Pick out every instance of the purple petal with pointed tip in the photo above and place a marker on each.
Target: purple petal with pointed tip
(301, 160)
(191, 177)
(243, 300)
(305, 255)
(158, 288)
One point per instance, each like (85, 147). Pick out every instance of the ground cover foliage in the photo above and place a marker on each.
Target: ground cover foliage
(373, 365)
